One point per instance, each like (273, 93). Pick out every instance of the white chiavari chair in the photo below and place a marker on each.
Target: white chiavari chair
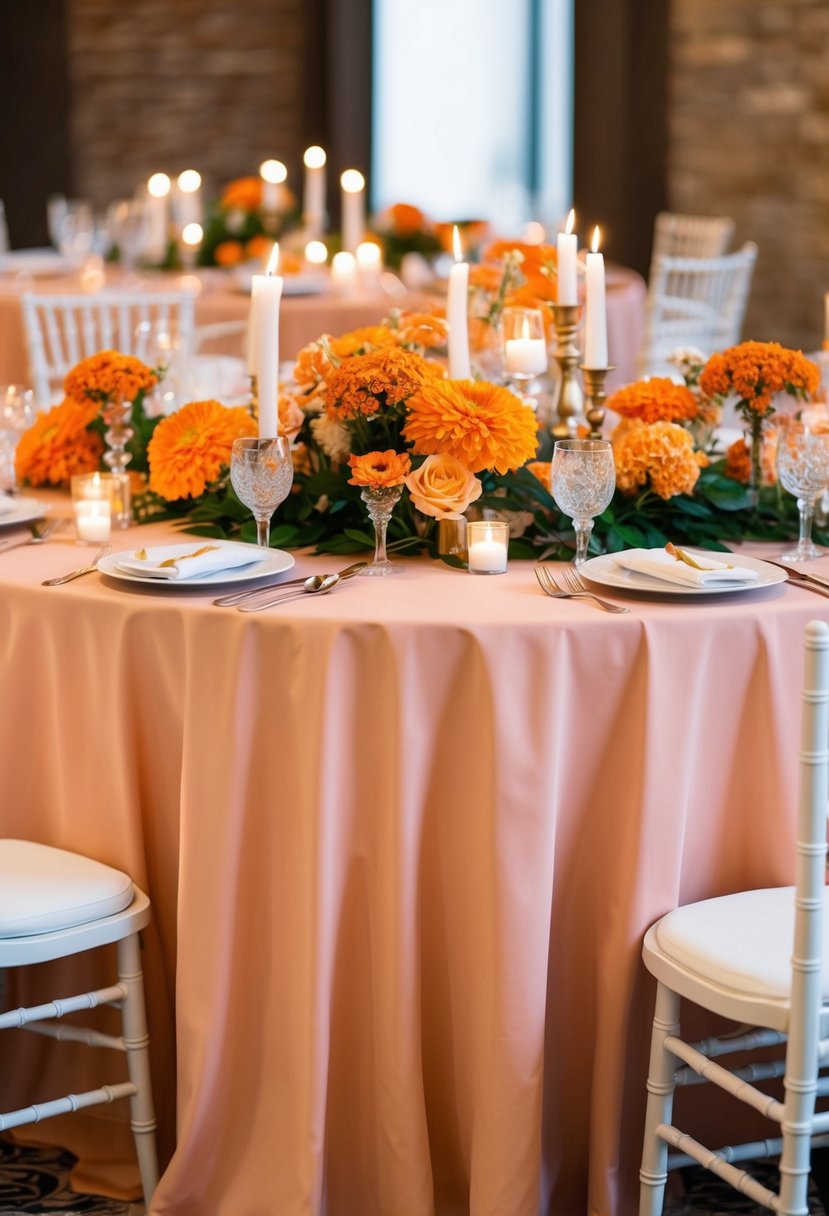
(691, 236)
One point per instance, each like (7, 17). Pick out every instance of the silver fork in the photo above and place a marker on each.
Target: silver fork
(39, 534)
(575, 589)
(67, 578)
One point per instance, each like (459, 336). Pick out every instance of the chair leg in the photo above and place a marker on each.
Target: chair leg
(136, 1039)
(654, 1174)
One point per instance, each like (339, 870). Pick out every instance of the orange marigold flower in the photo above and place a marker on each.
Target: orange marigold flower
(244, 193)
(382, 379)
(542, 469)
(108, 375)
(229, 253)
(379, 469)
(259, 248)
(738, 461)
(424, 329)
(755, 372)
(405, 219)
(485, 276)
(656, 400)
(662, 454)
(483, 425)
(58, 444)
(361, 341)
(533, 257)
(190, 448)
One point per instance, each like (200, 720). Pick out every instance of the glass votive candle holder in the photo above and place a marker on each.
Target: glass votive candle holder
(92, 508)
(525, 344)
(487, 543)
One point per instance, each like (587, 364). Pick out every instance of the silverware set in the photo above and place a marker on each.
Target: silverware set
(39, 532)
(573, 589)
(281, 593)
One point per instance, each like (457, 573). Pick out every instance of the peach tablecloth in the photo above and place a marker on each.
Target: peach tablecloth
(402, 843)
(304, 318)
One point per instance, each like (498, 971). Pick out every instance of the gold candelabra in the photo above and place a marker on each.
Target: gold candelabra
(594, 392)
(568, 402)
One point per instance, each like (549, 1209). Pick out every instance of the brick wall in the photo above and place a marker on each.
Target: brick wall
(748, 136)
(158, 85)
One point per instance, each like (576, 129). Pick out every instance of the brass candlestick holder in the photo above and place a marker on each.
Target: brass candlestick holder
(569, 404)
(594, 378)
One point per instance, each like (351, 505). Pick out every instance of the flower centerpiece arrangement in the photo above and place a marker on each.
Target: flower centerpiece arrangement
(403, 228)
(381, 436)
(238, 229)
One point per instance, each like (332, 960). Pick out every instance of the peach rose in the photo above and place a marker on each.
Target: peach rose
(443, 487)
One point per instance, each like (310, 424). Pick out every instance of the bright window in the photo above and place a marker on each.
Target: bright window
(473, 108)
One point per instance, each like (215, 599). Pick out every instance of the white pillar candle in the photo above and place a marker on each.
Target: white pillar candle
(595, 321)
(158, 201)
(313, 208)
(369, 261)
(353, 205)
(487, 544)
(343, 272)
(188, 198)
(525, 356)
(273, 174)
(567, 248)
(93, 520)
(266, 295)
(456, 310)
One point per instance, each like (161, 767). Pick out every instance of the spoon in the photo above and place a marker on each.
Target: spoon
(315, 585)
(295, 584)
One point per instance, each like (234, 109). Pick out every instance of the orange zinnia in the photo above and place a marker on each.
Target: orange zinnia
(378, 470)
(190, 448)
(656, 400)
(58, 445)
(484, 425)
(108, 375)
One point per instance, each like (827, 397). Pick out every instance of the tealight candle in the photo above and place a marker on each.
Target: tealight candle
(353, 209)
(313, 209)
(110, 495)
(192, 236)
(343, 272)
(316, 253)
(525, 348)
(487, 541)
(567, 247)
(456, 309)
(93, 520)
(273, 174)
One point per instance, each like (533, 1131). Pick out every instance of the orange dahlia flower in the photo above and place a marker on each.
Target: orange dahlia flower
(57, 445)
(190, 448)
(244, 193)
(229, 253)
(108, 375)
(661, 453)
(382, 379)
(404, 219)
(379, 469)
(755, 371)
(484, 425)
(656, 400)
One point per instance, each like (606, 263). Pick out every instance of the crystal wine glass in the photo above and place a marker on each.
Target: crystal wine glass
(17, 413)
(583, 480)
(803, 469)
(262, 472)
(129, 224)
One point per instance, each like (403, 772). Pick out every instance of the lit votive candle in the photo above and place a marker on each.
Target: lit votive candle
(93, 520)
(487, 541)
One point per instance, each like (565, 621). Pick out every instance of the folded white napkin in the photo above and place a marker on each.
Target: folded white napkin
(659, 564)
(6, 503)
(187, 560)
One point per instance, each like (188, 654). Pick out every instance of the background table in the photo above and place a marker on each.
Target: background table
(304, 318)
(402, 843)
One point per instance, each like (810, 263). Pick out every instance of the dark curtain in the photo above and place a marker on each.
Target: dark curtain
(34, 104)
(620, 123)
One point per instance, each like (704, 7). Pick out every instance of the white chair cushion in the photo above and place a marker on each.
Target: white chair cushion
(43, 890)
(743, 942)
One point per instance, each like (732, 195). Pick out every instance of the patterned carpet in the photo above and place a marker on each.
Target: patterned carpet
(36, 1180)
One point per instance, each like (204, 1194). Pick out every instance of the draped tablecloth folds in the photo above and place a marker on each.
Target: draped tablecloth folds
(402, 843)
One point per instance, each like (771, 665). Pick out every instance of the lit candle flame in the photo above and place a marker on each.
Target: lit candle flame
(316, 253)
(189, 181)
(456, 243)
(314, 157)
(571, 220)
(273, 260)
(192, 234)
(594, 244)
(159, 185)
(352, 181)
(273, 171)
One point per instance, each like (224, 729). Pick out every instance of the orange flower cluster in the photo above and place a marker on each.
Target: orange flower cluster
(378, 470)
(427, 330)
(404, 219)
(542, 470)
(366, 384)
(190, 448)
(58, 445)
(483, 425)
(755, 371)
(661, 453)
(655, 400)
(243, 193)
(738, 461)
(108, 375)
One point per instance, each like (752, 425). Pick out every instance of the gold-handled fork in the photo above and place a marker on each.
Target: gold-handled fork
(573, 590)
(39, 532)
(67, 578)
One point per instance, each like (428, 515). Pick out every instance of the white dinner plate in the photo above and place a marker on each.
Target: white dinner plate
(23, 511)
(39, 263)
(273, 561)
(604, 571)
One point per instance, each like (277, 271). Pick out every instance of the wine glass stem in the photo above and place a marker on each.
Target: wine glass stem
(583, 529)
(806, 507)
(381, 523)
(263, 530)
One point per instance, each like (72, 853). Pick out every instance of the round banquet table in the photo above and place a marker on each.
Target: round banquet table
(303, 317)
(402, 842)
